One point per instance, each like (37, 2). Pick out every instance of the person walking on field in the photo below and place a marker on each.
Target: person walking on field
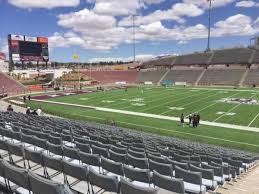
(198, 118)
(182, 120)
(194, 121)
(190, 119)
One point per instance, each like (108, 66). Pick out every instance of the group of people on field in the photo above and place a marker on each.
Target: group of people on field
(194, 119)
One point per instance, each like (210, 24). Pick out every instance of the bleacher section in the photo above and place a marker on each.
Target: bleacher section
(164, 61)
(252, 77)
(256, 57)
(57, 156)
(243, 56)
(8, 85)
(111, 77)
(150, 76)
(232, 56)
(223, 76)
(189, 76)
(193, 59)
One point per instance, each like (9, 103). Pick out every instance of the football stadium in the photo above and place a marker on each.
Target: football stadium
(77, 116)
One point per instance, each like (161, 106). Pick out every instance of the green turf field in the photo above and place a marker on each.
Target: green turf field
(170, 102)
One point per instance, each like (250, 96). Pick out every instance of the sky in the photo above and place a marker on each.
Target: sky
(101, 30)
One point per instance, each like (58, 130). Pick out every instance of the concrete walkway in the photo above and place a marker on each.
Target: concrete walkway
(246, 184)
(208, 123)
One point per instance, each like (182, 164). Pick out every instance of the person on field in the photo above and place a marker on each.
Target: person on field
(28, 111)
(182, 120)
(113, 123)
(9, 108)
(29, 97)
(198, 119)
(190, 119)
(195, 121)
(24, 99)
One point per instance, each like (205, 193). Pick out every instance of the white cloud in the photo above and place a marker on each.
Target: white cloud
(204, 3)
(237, 25)
(117, 7)
(86, 19)
(143, 57)
(121, 7)
(49, 4)
(153, 1)
(247, 4)
(177, 13)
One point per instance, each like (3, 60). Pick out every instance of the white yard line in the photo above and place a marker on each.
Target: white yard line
(158, 99)
(220, 89)
(139, 96)
(153, 107)
(208, 123)
(253, 120)
(190, 103)
(214, 103)
(229, 110)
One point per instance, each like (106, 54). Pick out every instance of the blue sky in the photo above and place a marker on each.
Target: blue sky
(102, 29)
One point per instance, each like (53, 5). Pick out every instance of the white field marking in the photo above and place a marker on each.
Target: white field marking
(230, 110)
(68, 94)
(150, 96)
(208, 123)
(137, 100)
(191, 103)
(227, 112)
(171, 130)
(158, 99)
(54, 96)
(83, 98)
(108, 101)
(214, 104)
(231, 114)
(253, 120)
(219, 89)
(173, 101)
(17, 102)
(176, 108)
(138, 104)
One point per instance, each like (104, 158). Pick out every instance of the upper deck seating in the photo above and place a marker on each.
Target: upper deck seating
(232, 56)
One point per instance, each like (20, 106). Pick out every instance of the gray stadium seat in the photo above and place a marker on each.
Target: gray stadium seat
(40, 185)
(129, 188)
(170, 184)
(107, 183)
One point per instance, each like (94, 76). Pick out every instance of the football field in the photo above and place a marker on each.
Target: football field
(140, 108)
(174, 101)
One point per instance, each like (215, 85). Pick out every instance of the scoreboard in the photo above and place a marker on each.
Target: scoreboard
(26, 48)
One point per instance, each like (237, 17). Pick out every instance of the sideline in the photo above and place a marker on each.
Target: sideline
(171, 130)
(208, 123)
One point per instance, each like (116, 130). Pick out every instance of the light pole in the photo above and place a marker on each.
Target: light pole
(134, 38)
(208, 45)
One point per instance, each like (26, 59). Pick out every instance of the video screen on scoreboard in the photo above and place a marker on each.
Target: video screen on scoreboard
(30, 48)
(25, 48)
